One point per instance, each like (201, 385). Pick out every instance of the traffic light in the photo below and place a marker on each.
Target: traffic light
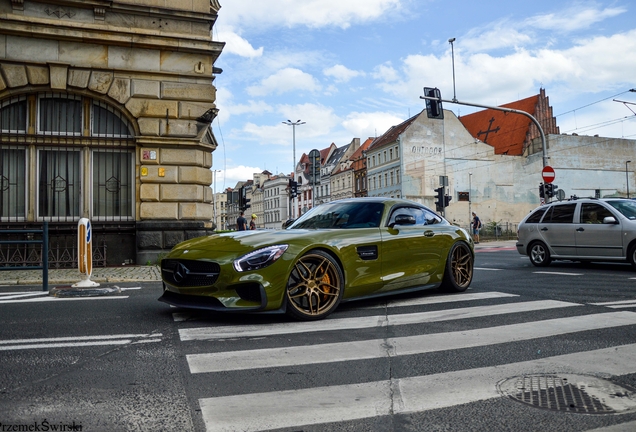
(542, 190)
(447, 199)
(554, 190)
(439, 204)
(434, 107)
(246, 204)
(550, 190)
(293, 188)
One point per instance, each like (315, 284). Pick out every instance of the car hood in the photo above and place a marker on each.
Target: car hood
(242, 241)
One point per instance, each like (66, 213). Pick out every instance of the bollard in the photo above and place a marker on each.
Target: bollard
(85, 254)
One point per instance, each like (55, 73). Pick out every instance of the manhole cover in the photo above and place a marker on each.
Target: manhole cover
(571, 393)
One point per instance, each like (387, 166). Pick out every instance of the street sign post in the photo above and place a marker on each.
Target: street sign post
(548, 174)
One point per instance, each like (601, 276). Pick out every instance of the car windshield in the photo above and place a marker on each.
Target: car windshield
(626, 207)
(341, 215)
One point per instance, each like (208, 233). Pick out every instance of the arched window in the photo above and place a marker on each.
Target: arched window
(83, 159)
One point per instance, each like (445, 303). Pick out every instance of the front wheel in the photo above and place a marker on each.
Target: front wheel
(631, 256)
(315, 286)
(539, 255)
(458, 273)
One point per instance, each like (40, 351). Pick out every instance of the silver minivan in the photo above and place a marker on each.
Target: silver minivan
(580, 230)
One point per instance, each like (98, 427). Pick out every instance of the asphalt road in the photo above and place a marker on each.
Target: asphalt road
(423, 362)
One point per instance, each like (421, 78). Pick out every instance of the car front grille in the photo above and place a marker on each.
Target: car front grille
(188, 273)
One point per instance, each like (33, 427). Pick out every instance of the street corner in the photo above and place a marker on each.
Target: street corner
(66, 291)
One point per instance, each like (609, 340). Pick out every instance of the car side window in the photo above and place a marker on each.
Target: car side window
(422, 217)
(592, 213)
(561, 214)
(536, 216)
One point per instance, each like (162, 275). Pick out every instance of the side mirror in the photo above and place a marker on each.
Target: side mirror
(288, 222)
(610, 220)
(403, 219)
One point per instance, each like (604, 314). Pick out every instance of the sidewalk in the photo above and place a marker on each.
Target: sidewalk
(147, 273)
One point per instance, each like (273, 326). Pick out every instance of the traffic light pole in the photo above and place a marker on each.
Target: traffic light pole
(497, 108)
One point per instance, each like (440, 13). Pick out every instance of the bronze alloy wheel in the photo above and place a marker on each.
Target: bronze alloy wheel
(314, 288)
(459, 268)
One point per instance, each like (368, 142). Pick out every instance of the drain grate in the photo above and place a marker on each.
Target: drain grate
(571, 393)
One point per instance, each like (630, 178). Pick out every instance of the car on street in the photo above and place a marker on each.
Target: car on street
(583, 230)
(338, 251)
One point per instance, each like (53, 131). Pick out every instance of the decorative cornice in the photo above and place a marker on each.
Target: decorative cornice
(59, 11)
(215, 6)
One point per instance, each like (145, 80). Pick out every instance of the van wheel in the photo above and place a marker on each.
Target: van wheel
(539, 254)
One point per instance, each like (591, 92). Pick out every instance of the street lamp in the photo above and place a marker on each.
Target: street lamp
(627, 177)
(293, 125)
(450, 41)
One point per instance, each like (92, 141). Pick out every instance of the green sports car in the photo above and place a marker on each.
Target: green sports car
(339, 251)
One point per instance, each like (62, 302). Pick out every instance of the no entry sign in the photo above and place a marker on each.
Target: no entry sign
(548, 174)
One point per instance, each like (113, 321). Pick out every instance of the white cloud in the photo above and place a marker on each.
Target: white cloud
(370, 124)
(235, 44)
(341, 73)
(385, 72)
(573, 18)
(285, 80)
(230, 177)
(310, 13)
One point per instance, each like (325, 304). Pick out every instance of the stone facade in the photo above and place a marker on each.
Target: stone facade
(152, 63)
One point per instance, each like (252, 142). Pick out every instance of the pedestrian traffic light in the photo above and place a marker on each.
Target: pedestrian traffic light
(447, 199)
(542, 190)
(434, 107)
(439, 204)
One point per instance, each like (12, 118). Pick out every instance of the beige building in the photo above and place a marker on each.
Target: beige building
(105, 114)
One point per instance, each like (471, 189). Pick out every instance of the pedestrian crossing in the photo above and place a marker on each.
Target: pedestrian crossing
(313, 404)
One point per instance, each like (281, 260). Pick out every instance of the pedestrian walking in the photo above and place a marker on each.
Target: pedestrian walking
(253, 222)
(241, 222)
(476, 226)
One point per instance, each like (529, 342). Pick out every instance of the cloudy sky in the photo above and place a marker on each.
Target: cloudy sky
(353, 68)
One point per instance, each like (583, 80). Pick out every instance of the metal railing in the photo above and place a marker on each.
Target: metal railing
(45, 247)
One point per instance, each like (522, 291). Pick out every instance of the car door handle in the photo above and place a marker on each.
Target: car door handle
(544, 229)
(429, 233)
(580, 229)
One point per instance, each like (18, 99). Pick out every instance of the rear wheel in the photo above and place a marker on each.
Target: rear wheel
(314, 287)
(539, 254)
(458, 273)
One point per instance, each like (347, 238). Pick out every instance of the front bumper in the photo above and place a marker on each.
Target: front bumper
(209, 303)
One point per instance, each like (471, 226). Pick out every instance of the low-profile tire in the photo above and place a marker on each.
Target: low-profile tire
(631, 256)
(315, 286)
(458, 273)
(539, 254)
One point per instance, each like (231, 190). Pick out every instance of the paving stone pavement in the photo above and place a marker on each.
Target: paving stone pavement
(146, 273)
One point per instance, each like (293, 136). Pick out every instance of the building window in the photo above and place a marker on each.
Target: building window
(12, 183)
(60, 115)
(391, 154)
(59, 184)
(13, 115)
(62, 179)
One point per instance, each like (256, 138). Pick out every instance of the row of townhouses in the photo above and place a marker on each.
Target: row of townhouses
(489, 162)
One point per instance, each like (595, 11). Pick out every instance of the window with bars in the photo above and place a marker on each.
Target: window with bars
(91, 131)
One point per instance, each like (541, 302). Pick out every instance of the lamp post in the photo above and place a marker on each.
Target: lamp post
(627, 177)
(470, 197)
(293, 125)
(450, 41)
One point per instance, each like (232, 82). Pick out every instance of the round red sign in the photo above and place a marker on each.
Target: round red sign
(548, 174)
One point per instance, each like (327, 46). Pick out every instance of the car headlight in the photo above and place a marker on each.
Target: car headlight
(259, 258)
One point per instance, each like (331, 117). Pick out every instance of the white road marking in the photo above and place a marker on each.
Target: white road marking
(229, 332)
(11, 296)
(420, 344)
(311, 406)
(488, 269)
(617, 304)
(417, 301)
(58, 299)
(558, 273)
(128, 288)
(77, 341)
